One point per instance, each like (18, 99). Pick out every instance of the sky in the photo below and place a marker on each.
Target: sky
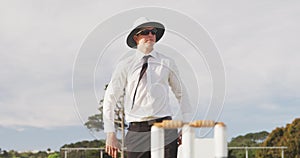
(40, 43)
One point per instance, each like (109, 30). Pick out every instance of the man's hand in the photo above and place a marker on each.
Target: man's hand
(112, 144)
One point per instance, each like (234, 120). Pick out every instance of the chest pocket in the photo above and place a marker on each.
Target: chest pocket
(160, 70)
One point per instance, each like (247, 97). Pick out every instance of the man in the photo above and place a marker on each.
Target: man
(146, 77)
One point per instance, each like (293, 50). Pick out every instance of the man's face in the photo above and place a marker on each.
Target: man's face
(146, 36)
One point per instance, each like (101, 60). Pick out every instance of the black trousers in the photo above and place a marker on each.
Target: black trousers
(138, 137)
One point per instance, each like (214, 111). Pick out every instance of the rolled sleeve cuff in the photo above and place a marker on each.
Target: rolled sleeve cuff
(109, 127)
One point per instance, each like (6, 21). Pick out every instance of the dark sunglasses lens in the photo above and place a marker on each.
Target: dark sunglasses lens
(146, 32)
(153, 31)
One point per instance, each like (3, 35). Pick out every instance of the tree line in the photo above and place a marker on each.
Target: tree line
(288, 136)
(28, 154)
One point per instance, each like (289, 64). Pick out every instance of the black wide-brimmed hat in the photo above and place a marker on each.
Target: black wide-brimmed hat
(141, 23)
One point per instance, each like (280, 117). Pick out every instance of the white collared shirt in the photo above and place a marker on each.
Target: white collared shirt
(152, 97)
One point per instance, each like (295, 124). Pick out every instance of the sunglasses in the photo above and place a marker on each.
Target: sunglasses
(146, 32)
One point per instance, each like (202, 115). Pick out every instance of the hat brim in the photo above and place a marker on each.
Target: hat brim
(160, 31)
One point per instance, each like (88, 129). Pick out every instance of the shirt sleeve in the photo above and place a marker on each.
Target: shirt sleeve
(112, 95)
(180, 93)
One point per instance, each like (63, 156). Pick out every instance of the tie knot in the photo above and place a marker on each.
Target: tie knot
(146, 57)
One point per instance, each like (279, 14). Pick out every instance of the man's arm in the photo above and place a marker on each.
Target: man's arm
(112, 95)
(180, 93)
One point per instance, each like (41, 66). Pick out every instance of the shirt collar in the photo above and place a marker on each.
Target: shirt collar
(140, 54)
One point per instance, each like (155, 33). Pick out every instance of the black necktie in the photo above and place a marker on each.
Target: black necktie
(144, 68)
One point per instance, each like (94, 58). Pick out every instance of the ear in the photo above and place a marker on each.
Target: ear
(135, 38)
